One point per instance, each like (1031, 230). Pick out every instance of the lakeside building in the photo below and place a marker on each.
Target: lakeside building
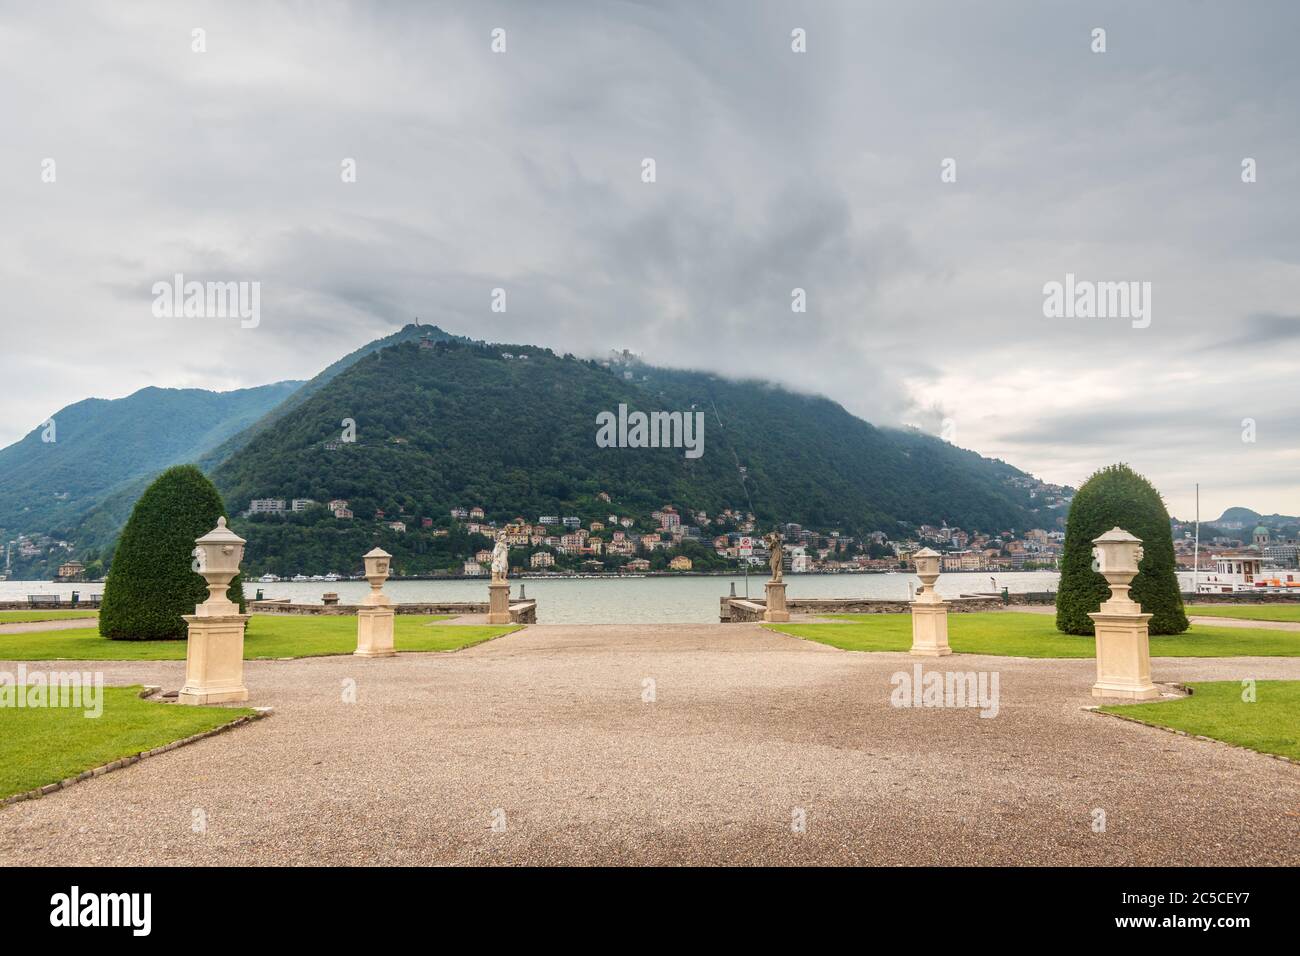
(473, 569)
(542, 559)
(266, 506)
(71, 569)
(1237, 571)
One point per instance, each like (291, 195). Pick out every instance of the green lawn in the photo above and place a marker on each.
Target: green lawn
(1015, 634)
(1271, 724)
(1262, 612)
(48, 744)
(26, 617)
(268, 635)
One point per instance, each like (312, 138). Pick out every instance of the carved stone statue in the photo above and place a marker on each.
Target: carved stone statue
(775, 554)
(500, 558)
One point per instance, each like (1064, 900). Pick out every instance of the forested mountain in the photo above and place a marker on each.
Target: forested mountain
(55, 476)
(221, 452)
(513, 429)
(442, 421)
(83, 485)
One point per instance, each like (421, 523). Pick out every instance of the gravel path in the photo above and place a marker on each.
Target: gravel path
(62, 624)
(546, 732)
(1243, 622)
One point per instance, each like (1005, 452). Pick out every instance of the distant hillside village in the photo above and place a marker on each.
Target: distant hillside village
(666, 540)
(670, 539)
(458, 542)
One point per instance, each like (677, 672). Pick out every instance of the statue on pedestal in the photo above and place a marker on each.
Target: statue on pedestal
(776, 555)
(498, 589)
(500, 558)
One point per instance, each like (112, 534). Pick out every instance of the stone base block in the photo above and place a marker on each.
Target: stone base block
(930, 629)
(1123, 657)
(1125, 693)
(776, 612)
(375, 632)
(214, 660)
(232, 696)
(499, 603)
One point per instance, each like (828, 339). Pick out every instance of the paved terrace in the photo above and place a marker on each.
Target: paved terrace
(548, 725)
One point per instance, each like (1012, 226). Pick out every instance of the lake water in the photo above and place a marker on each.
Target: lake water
(684, 600)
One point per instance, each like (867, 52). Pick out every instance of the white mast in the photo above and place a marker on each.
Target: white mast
(1196, 555)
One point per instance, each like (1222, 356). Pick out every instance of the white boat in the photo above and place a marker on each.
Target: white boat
(300, 577)
(331, 577)
(1243, 571)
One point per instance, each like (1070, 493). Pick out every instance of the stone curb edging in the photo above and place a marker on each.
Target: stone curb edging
(145, 693)
(1184, 733)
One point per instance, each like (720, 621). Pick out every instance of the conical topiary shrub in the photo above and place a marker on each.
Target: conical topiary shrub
(152, 581)
(1118, 496)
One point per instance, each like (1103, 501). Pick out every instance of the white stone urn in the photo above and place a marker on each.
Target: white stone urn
(1118, 555)
(927, 569)
(219, 553)
(378, 563)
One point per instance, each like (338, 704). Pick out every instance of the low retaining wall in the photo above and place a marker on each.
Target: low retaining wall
(521, 612)
(1241, 597)
(744, 610)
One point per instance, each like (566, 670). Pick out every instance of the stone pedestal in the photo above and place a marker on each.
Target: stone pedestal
(214, 659)
(1123, 645)
(930, 628)
(374, 632)
(498, 603)
(776, 610)
(1123, 656)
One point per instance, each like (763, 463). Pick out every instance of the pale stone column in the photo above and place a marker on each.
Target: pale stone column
(1123, 640)
(214, 654)
(929, 612)
(375, 616)
(498, 603)
(776, 606)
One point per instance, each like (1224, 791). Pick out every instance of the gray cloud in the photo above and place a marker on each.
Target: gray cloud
(775, 170)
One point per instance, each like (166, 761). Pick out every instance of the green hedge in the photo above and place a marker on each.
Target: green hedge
(152, 581)
(1119, 496)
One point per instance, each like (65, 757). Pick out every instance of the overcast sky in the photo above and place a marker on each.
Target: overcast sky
(775, 170)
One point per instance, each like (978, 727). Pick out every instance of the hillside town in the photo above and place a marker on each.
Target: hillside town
(675, 539)
(678, 539)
